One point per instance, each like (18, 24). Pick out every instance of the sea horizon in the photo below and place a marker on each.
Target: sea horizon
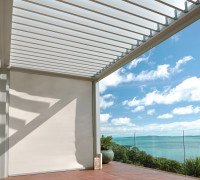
(170, 147)
(156, 136)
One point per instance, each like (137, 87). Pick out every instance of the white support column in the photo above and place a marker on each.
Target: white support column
(6, 7)
(4, 95)
(96, 118)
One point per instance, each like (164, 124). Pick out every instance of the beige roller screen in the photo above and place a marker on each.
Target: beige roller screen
(50, 124)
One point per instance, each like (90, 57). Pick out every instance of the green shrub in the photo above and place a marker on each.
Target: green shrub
(141, 158)
(168, 165)
(132, 155)
(106, 142)
(193, 167)
(120, 153)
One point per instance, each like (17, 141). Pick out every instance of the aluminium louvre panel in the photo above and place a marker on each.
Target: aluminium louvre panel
(52, 65)
(154, 6)
(179, 5)
(194, 1)
(72, 22)
(59, 45)
(88, 37)
(63, 53)
(55, 53)
(61, 49)
(183, 20)
(30, 54)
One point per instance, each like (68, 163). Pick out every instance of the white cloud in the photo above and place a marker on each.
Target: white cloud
(165, 116)
(184, 60)
(162, 72)
(114, 80)
(138, 109)
(151, 111)
(156, 129)
(104, 118)
(121, 121)
(188, 90)
(106, 101)
(186, 110)
(136, 61)
(175, 38)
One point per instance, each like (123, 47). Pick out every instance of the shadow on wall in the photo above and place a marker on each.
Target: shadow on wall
(51, 122)
(2, 131)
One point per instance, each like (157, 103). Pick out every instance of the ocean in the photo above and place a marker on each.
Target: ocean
(170, 147)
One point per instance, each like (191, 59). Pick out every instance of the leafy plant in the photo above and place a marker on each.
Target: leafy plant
(121, 153)
(168, 165)
(141, 158)
(193, 167)
(106, 142)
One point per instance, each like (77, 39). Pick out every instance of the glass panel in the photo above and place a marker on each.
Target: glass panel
(192, 144)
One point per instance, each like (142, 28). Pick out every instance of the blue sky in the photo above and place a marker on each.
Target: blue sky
(158, 93)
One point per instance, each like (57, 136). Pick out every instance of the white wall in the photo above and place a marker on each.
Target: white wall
(50, 125)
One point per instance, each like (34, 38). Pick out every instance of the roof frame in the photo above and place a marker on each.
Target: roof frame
(61, 36)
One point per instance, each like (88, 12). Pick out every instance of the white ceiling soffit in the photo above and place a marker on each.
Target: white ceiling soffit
(92, 38)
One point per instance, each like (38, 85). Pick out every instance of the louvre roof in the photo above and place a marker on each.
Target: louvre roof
(91, 38)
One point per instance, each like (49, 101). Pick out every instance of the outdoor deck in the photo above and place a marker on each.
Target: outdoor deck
(112, 171)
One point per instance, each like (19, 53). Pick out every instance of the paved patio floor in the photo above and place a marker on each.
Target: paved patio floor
(112, 171)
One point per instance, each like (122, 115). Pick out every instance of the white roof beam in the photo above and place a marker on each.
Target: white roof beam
(119, 43)
(64, 62)
(57, 49)
(74, 22)
(75, 13)
(173, 4)
(28, 21)
(47, 56)
(92, 49)
(47, 46)
(45, 37)
(57, 66)
(137, 12)
(153, 6)
(109, 12)
(55, 53)
(194, 1)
